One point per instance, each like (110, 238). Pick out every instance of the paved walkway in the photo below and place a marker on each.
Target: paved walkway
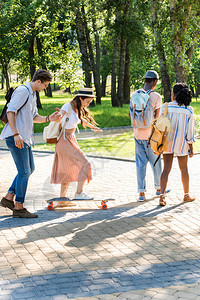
(130, 251)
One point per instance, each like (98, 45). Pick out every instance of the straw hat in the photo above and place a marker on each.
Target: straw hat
(87, 92)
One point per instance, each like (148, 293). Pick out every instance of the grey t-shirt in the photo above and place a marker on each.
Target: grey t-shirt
(24, 118)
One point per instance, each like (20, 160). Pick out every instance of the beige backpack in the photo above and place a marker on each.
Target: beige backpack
(158, 136)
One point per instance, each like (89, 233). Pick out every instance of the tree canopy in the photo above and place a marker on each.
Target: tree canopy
(107, 43)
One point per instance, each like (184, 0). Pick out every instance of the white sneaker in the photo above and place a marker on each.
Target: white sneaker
(83, 196)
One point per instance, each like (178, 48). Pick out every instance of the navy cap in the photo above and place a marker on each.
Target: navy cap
(151, 74)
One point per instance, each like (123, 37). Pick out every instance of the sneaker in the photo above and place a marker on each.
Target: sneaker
(158, 192)
(141, 198)
(7, 203)
(83, 196)
(23, 213)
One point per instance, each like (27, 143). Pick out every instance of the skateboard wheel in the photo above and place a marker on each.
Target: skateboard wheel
(104, 206)
(102, 203)
(50, 207)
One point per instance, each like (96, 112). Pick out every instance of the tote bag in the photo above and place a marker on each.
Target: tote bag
(53, 132)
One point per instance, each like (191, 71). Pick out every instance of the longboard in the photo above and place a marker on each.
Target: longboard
(50, 202)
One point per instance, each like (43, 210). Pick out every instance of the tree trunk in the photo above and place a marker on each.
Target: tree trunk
(48, 91)
(197, 90)
(114, 98)
(92, 59)
(104, 74)
(126, 92)
(5, 74)
(2, 81)
(97, 47)
(120, 91)
(166, 84)
(83, 47)
(31, 55)
(179, 28)
(32, 65)
(103, 86)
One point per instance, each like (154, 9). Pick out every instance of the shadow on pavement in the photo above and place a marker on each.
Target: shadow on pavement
(97, 220)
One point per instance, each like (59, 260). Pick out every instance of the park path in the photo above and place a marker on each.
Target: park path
(130, 251)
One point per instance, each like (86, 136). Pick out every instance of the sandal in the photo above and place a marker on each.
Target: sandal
(187, 198)
(162, 201)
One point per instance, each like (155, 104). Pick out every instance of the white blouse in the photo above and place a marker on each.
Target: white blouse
(73, 118)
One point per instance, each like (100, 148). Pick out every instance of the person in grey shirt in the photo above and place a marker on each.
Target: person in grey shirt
(18, 134)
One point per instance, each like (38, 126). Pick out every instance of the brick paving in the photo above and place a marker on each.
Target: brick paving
(130, 251)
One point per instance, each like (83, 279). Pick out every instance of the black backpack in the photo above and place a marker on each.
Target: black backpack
(8, 96)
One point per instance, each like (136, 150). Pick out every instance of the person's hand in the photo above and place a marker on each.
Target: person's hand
(19, 143)
(190, 153)
(56, 116)
(96, 129)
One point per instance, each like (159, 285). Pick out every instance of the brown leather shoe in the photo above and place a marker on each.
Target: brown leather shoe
(187, 198)
(23, 213)
(7, 203)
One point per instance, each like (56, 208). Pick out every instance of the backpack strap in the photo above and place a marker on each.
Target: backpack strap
(26, 99)
(149, 91)
(145, 92)
(66, 120)
(143, 115)
(157, 159)
(165, 110)
(134, 114)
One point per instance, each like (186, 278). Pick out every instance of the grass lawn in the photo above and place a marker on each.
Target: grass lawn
(117, 146)
(106, 116)
(122, 146)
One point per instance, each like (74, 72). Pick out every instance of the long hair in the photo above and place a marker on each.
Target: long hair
(83, 113)
(182, 94)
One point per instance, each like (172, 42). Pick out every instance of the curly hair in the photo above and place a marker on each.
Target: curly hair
(83, 113)
(182, 94)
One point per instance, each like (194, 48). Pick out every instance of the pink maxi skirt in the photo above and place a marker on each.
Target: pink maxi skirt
(70, 164)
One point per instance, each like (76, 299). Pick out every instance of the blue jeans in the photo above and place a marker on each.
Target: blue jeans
(23, 159)
(143, 154)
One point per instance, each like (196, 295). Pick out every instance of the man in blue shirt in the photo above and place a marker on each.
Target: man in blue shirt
(18, 134)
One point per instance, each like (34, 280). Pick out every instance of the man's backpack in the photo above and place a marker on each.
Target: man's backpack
(158, 136)
(141, 109)
(8, 96)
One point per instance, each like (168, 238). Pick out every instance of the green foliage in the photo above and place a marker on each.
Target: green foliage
(194, 75)
(53, 23)
(8, 33)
